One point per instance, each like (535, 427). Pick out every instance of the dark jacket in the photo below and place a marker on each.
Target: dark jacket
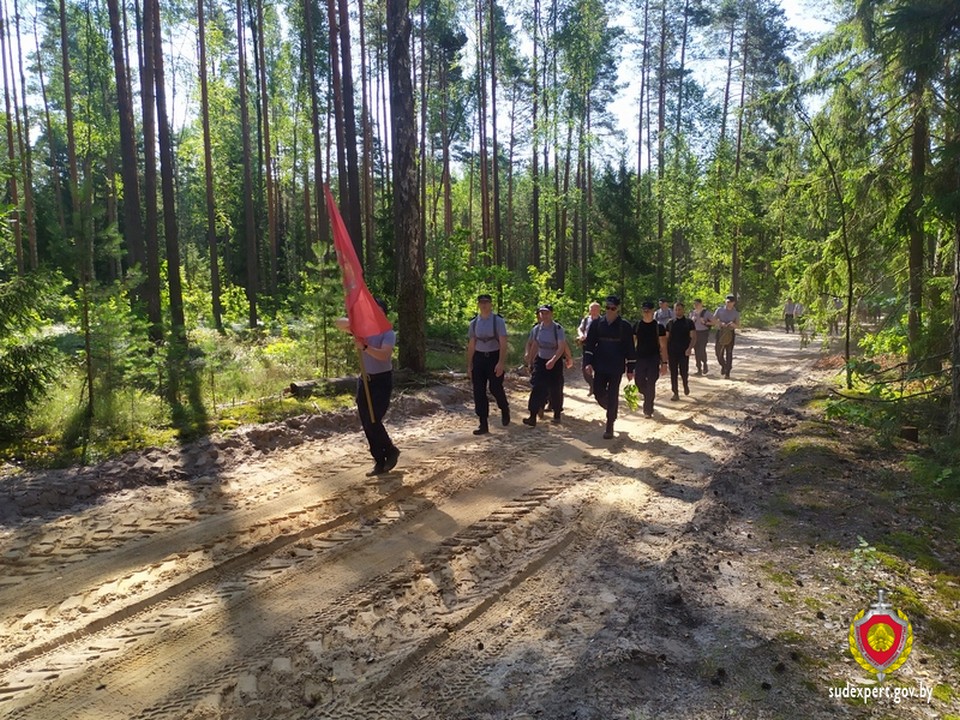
(609, 346)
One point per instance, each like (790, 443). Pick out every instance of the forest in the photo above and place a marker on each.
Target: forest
(165, 252)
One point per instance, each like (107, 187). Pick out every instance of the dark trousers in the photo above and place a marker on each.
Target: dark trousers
(788, 323)
(484, 365)
(679, 364)
(606, 389)
(725, 354)
(647, 374)
(546, 384)
(381, 385)
(700, 349)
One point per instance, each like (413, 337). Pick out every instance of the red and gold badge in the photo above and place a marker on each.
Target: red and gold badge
(881, 638)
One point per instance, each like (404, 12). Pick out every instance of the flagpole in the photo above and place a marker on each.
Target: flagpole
(366, 385)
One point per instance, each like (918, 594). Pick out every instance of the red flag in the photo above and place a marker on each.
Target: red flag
(365, 316)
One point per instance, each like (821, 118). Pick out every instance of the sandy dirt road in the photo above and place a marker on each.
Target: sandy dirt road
(534, 572)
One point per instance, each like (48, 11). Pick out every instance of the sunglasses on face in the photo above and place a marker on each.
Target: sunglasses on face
(611, 307)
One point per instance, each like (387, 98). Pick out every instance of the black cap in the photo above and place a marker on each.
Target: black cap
(648, 305)
(545, 306)
(484, 298)
(731, 297)
(664, 300)
(613, 300)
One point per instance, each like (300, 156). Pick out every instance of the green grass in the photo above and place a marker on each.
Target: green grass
(944, 693)
(911, 546)
(226, 381)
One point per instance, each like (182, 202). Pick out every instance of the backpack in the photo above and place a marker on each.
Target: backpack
(725, 337)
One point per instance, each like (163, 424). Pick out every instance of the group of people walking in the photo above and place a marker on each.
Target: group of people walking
(662, 341)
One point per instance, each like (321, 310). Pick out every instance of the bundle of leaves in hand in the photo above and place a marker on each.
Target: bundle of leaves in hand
(632, 396)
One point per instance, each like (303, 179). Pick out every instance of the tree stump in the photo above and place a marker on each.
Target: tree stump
(909, 432)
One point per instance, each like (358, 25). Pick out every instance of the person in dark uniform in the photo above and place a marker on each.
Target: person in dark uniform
(549, 350)
(681, 340)
(607, 349)
(651, 356)
(377, 354)
(486, 360)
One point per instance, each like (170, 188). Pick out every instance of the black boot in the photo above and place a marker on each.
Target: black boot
(483, 429)
(505, 416)
(608, 433)
(531, 421)
(390, 462)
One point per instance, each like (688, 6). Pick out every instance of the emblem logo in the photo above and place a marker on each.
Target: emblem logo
(881, 638)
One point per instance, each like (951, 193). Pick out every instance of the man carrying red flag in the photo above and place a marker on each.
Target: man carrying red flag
(373, 392)
(374, 339)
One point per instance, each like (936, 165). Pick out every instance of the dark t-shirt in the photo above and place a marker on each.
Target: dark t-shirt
(648, 338)
(679, 330)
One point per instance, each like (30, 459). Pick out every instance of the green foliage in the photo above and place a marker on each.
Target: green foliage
(29, 361)
(937, 472)
(121, 351)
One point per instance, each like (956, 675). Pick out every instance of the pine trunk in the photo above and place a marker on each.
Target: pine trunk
(914, 219)
(535, 201)
(26, 152)
(151, 242)
(495, 161)
(129, 164)
(208, 173)
(11, 153)
(84, 252)
(339, 139)
(323, 232)
(170, 229)
(273, 243)
(366, 163)
(250, 231)
(661, 131)
(954, 417)
(406, 220)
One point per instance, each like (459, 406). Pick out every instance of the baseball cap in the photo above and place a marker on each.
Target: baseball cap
(484, 298)
(612, 300)
(731, 297)
(545, 306)
(648, 305)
